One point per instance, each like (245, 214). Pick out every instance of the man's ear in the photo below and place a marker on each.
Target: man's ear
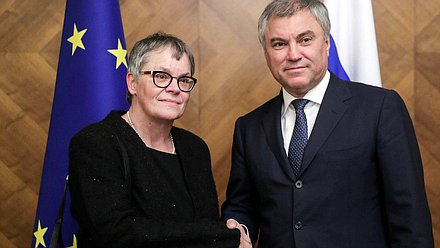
(327, 42)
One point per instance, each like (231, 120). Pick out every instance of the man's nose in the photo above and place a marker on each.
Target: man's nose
(294, 52)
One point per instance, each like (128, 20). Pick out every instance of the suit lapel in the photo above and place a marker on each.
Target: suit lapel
(272, 131)
(330, 112)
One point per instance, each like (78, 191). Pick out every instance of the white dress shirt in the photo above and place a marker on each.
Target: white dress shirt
(288, 114)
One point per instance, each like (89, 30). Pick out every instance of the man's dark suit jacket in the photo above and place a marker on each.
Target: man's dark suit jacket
(361, 182)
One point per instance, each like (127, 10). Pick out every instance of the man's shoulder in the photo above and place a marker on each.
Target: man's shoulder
(265, 108)
(365, 88)
(357, 90)
(356, 87)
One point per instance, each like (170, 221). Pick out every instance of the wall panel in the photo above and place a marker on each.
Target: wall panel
(426, 94)
(233, 79)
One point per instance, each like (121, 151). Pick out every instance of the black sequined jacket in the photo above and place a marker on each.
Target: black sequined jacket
(117, 206)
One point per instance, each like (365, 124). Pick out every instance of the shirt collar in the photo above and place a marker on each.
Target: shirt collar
(316, 94)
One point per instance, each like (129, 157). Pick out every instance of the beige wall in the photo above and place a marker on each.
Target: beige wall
(232, 74)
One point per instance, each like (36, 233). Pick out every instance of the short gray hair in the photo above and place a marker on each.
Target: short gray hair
(287, 8)
(139, 54)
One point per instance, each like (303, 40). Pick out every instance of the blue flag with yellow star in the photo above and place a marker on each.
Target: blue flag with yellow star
(90, 82)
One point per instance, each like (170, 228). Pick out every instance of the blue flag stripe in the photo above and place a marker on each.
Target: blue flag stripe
(88, 86)
(334, 64)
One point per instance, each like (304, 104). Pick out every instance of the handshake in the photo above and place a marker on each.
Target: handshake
(245, 240)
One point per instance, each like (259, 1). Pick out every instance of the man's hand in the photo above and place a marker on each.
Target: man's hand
(245, 240)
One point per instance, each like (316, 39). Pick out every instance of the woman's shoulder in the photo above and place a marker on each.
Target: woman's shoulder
(186, 135)
(100, 129)
(187, 140)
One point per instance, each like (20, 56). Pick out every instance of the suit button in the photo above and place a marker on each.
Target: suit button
(298, 225)
(298, 184)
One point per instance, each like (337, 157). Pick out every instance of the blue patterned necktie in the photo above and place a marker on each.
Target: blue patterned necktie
(299, 136)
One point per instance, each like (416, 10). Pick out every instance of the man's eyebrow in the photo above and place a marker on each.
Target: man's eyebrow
(308, 32)
(274, 39)
(301, 35)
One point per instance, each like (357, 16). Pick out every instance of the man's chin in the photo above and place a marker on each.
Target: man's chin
(297, 83)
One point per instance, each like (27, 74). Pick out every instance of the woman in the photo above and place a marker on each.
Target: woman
(137, 181)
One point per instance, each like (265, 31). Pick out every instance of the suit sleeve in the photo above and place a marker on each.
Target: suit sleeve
(407, 211)
(241, 201)
(102, 204)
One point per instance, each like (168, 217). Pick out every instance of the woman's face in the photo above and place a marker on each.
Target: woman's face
(160, 104)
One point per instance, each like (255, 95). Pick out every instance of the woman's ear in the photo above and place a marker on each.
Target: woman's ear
(131, 83)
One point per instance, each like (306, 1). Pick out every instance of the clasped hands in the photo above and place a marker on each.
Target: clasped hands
(245, 240)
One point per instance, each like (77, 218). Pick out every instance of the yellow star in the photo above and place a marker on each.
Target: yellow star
(74, 242)
(39, 235)
(120, 55)
(75, 39)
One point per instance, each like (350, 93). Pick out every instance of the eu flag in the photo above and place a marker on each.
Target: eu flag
(90, 82)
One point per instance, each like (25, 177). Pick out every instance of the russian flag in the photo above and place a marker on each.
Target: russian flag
(353, 48)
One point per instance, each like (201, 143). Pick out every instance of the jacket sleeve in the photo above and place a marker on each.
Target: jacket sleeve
(407, 211)
(241, 202)
(102, 204)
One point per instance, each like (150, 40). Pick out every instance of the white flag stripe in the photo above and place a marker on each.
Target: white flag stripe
(355, 38)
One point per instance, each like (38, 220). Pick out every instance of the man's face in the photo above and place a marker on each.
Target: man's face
(296, 52)
(167, 104)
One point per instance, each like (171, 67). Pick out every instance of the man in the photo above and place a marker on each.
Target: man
(326, 163)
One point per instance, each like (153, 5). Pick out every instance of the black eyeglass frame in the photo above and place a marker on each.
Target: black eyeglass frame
(153, 74)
